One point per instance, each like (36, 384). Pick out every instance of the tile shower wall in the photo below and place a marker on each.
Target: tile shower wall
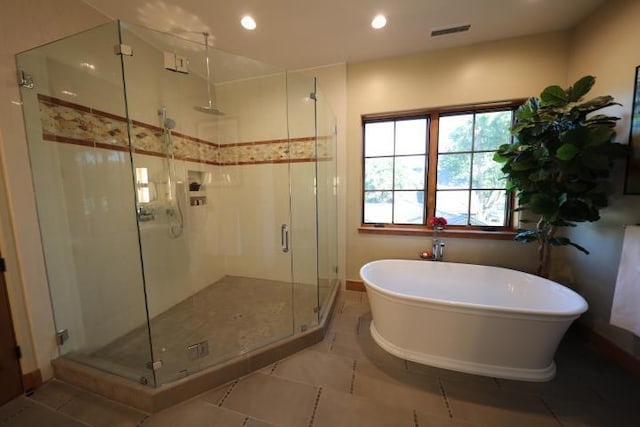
(71, 123)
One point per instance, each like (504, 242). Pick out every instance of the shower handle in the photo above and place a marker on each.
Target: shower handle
(284, 237)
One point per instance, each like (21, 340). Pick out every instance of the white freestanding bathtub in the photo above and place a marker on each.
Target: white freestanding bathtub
(471, 318)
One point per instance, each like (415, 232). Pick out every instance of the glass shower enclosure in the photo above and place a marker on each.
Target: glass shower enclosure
(177, 237)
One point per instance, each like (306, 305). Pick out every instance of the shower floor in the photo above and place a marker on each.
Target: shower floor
(232, 316)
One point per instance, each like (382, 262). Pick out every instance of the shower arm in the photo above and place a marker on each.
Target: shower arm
(206, 55)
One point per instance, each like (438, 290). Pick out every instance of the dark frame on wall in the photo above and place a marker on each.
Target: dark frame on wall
(632, 179)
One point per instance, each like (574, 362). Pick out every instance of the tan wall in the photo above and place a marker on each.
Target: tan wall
(25, 25)
(486, 72)
(606, 46)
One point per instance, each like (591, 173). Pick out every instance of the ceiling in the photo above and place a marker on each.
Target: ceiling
(298, 34)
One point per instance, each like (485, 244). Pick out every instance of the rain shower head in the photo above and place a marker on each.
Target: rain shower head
(209, 108)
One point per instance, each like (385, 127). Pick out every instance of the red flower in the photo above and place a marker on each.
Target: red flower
(437, 222)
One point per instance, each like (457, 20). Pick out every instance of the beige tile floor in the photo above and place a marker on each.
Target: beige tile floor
(347, 380)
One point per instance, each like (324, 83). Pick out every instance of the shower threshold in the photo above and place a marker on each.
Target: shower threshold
(153, 399)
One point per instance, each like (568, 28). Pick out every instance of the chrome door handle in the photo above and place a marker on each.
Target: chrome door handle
(284, 237)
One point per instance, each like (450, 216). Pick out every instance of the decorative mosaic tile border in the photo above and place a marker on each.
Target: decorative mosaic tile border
(70, 123)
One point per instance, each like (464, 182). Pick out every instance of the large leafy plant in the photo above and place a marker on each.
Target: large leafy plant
(559, 163)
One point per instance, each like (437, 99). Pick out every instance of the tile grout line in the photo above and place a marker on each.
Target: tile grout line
(353, 376)
(143, 420)
(273, 368)
(315, 407)
(246, 421)
(333, 340)
(229, 390)
(358, 326)
(495, 380)
(415, 419)
(16, 413)
(446, 400)
(548, 408)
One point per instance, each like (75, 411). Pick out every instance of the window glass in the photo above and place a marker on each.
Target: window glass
(492, 130)
(407, 207)
(455, 133)
(411, 136)
(378, 207)
(454, 206)
(409, 173)
(454, 171)
(379, 139)
(378, 173)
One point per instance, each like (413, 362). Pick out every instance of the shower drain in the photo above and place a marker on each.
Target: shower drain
(237, 316)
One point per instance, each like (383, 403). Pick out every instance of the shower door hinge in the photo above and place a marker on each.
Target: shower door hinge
(313, 96)
(25, 80)
(62, 336)
(123, 49)
(154, 366)
(316, 309)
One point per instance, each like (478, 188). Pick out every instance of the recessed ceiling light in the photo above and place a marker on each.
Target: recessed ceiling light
(379, 22)
(248, 23)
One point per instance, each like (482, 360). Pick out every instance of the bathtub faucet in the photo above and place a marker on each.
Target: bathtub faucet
(438, 249)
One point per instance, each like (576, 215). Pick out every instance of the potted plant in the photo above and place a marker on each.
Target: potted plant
(559, 163)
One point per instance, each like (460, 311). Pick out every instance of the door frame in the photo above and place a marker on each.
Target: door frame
(10, 370)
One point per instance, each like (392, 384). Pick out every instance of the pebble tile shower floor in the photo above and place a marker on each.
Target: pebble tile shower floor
(347, 380)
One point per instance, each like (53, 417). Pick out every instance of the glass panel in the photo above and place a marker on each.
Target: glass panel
(409, 173)
(411, 136)
(453, 171)
(486, 172)
(455, 133)
(77, 137)
(327, 201)
(378, 173)
(304, 205)
(488, 207)
(379, 137)
(408, 207)
(492, 130)
(454, 206)
(378, 206)
(217, 280)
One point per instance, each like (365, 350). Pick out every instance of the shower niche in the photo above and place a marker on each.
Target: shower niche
(127, 169)
(197, 189)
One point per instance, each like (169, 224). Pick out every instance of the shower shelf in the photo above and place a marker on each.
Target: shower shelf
(197, 198)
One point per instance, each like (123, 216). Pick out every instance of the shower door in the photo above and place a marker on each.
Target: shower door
(213, 201)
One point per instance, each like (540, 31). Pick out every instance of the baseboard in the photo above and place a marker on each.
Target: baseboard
(608, 350)
(355, 285)
(31, 380)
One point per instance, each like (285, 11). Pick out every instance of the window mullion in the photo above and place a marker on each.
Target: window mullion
(473, 147)
(432, 165)
(393, 176)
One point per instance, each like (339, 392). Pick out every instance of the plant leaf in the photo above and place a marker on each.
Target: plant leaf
(580, 88)
(567, 152)
(554, 95)
(600, 135)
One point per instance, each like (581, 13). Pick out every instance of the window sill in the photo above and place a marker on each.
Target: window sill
(452, 233)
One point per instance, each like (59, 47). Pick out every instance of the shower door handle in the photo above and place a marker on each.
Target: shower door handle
(284, 237)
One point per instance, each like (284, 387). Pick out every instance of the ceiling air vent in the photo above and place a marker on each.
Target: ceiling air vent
(450, 30)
